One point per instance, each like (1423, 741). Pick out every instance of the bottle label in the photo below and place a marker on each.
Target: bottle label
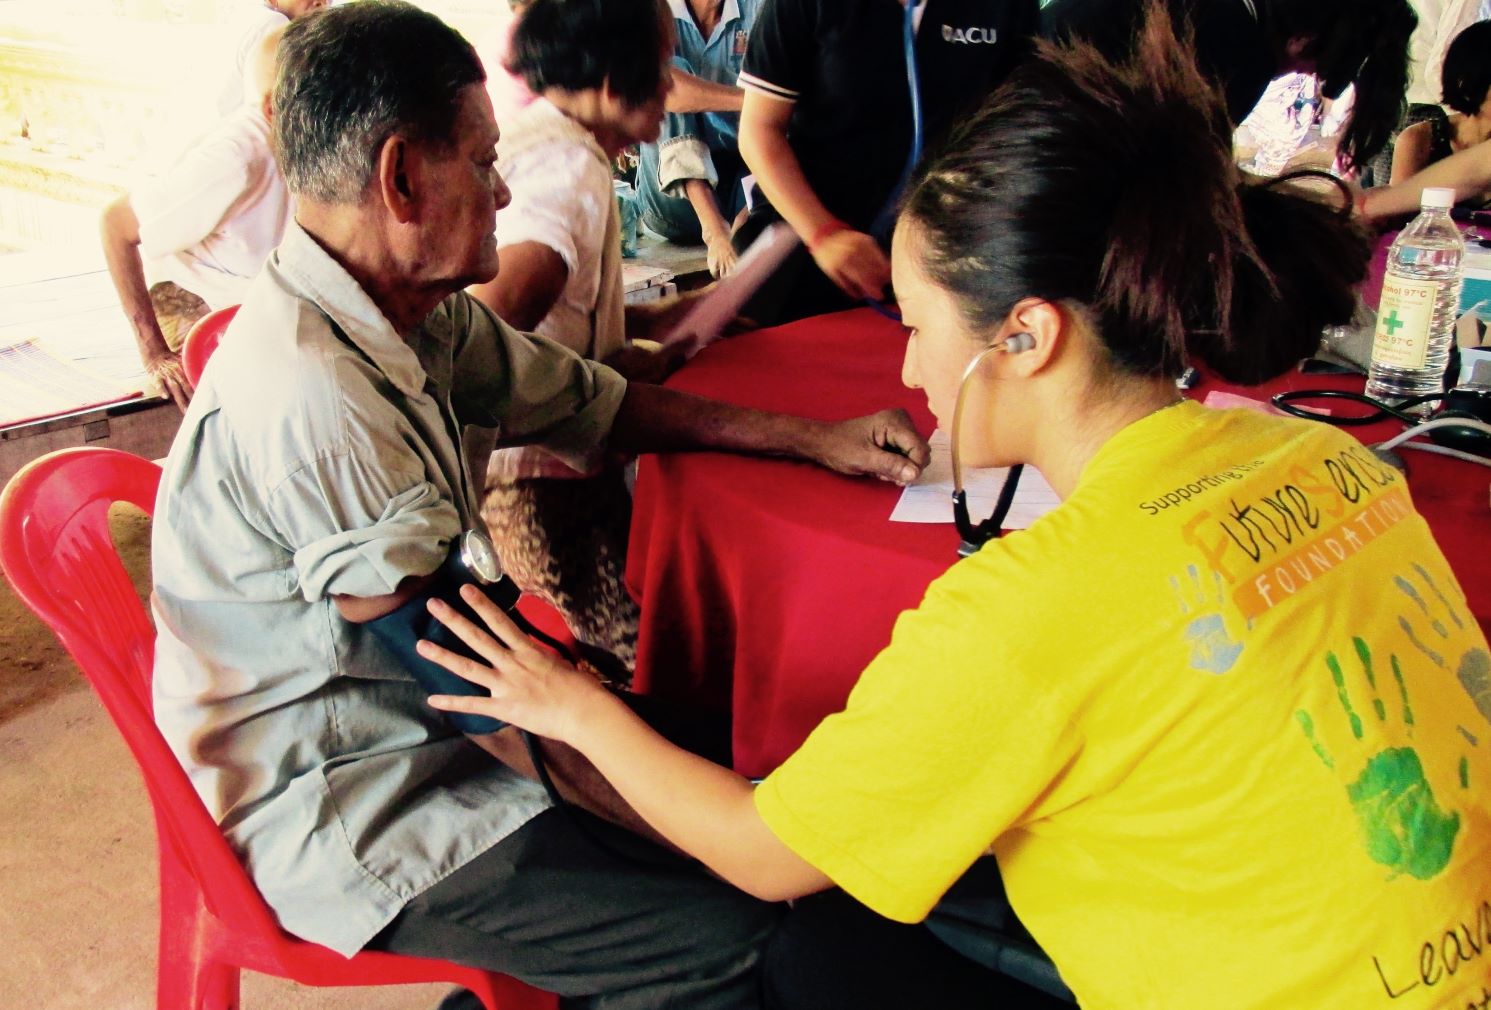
(1404, 316)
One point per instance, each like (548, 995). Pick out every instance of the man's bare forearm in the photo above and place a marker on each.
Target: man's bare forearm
(119, 233)
(695, 94)
(769, 156)
(712, 223)
(1467, 172)
(657, 419)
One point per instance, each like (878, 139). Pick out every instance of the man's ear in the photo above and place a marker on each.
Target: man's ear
(396, 178)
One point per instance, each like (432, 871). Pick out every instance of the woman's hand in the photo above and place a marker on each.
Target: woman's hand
(530, 687)
(855, 262)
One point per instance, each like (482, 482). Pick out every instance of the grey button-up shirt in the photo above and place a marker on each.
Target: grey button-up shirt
(314, 463)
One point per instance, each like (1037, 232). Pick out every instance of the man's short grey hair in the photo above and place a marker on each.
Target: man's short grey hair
(352, 76)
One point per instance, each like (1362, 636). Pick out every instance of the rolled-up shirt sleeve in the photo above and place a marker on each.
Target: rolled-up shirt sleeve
(530, 390)
(681, 159)
(358, 524)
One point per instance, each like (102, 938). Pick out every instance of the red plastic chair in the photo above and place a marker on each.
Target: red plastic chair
(201, 340)
(56, 550)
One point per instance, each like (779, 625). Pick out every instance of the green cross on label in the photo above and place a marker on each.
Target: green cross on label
(1392, 323)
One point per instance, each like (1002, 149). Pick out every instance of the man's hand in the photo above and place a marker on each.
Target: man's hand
(655, 320)
(883, 445)
(646, 361)
(164, 369)
(720, 254)
(855, 262)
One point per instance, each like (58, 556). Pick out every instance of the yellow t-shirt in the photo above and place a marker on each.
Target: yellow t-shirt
(1222, 717)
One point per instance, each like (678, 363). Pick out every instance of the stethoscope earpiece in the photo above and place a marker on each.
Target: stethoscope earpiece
(1017, 342)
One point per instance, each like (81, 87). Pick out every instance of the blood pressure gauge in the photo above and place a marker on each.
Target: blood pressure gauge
(478, 557)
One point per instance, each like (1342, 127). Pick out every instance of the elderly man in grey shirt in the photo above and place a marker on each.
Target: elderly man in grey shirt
(317, 482)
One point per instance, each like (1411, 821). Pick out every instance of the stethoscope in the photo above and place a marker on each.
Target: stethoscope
(886, 219)
(973, 536)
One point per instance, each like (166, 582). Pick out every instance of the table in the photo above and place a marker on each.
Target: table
(768, 585)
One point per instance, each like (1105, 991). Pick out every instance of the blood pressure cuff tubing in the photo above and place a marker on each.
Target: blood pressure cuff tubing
(401, 629)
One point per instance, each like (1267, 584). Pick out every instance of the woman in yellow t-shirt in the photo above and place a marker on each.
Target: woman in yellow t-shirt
(1221, 718)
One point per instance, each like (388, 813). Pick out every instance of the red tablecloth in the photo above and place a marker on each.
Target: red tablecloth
(768, 585)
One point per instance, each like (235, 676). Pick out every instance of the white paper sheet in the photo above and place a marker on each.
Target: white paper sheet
(930, 498)
(35, 384)
(711, 314)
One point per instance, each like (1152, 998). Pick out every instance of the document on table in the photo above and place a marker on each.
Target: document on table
(35, 383)
(929, 499)
(704, 323)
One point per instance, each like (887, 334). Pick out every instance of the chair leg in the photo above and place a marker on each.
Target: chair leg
(187, 977)
(217, 987)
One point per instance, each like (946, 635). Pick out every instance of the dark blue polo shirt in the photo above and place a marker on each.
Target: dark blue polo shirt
(843, 65)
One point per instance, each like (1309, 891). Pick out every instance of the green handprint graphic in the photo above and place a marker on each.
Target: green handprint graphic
(1473, 669)
(1401, 824)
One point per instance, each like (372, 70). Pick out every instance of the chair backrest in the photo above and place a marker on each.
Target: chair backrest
(57, 552)
(201, 340)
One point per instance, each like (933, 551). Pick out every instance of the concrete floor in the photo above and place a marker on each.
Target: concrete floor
(77, 842)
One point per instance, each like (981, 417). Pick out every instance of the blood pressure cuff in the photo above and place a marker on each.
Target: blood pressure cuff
(401, 629)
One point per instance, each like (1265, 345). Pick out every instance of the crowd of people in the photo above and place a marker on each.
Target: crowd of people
(1265, 801)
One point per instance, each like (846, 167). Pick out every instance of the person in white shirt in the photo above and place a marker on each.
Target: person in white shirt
(191, 240)
(1440, 21)
(247, 29)
(601, 72)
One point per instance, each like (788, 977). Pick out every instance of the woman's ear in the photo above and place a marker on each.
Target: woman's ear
(1045, 327)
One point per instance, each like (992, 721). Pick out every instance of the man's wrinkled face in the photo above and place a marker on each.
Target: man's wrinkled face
(462, 197)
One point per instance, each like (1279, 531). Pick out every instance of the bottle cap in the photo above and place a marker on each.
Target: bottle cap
(1439, 199)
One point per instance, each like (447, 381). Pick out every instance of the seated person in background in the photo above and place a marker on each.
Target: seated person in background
(1244, 44)
(1221, 761)
(254, 21)
(509, 93)
(688, 182)
(1467, 91)
(826, 128)
(204, 229)
(318, 484)
(1467, 172)
(600, 69)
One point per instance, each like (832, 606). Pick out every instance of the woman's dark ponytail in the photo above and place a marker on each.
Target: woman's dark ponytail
(1312, 258)
(1111, 186)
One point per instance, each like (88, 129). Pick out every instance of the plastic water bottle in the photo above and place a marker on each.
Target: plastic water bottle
(1420, 301)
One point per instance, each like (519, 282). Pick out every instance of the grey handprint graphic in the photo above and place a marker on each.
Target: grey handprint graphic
(1213, 649)
(1473, 667)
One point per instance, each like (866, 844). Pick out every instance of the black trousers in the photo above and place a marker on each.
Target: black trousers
(624, 927)
(609, 921)
(832, 953)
